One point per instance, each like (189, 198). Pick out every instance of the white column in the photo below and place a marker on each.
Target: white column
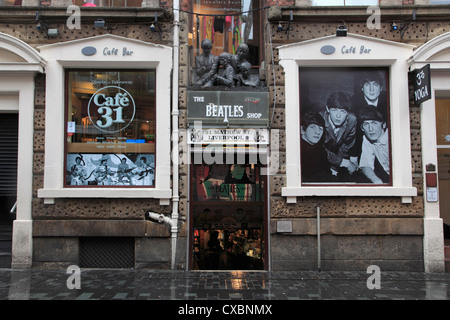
(22, 244)
(433, 239)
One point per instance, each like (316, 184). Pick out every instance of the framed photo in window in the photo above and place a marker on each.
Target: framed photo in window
(345, 126)
(110, 128)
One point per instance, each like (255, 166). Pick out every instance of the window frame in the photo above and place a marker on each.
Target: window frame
(69, 55)
(315, 53)
(66, 144)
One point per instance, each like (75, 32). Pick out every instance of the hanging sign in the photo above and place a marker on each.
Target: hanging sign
(422, 84)
(226, 108)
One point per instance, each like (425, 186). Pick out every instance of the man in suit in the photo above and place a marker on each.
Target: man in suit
(339, 136)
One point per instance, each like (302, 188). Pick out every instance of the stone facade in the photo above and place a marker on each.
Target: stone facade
(356, 232)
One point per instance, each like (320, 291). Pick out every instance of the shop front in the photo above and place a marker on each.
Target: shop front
(349, 163)
(430, 65)
(107, 153)
(228, 140)
(19, 64)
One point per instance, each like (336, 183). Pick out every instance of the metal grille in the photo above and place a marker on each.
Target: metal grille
(9, 124)
(106, 252)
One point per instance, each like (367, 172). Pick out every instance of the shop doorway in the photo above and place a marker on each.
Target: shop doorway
(228, 217)
(9, 124)
(443, 150)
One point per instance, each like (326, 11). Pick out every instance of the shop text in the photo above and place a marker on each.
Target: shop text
(354, 50)
(115, 52)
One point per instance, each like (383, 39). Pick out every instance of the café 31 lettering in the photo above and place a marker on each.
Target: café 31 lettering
(226, 108)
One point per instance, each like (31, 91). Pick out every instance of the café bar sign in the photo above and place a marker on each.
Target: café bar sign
(228, 108)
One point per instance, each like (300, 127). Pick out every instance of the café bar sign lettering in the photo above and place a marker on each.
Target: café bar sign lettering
(107, 51)
(226, 108)
(346, 50)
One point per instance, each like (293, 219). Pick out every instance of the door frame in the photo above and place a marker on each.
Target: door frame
(266, 233)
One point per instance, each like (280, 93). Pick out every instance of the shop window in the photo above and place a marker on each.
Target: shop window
(228, 216)
(344, 126)
(226, 24)
(110, 128)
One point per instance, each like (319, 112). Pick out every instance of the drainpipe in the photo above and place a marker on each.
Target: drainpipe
(158, 217)
(175, 132)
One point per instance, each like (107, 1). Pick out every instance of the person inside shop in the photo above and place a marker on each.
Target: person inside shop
(339, 136)
(374, 162)
(204, 62)
(214, 250)
(314, 161)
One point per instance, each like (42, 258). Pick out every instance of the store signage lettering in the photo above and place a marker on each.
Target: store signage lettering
(228, 107)
(354, 50)
(422, 84)
(228, 136)
(110, 108)
(115, 51)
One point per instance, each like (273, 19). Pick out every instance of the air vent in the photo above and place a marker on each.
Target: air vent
(107, 252)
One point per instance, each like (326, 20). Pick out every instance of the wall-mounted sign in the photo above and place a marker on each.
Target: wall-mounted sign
(355, 50)
(228, 136)
(226, 108)
(88, 51)
(107, 51)
(422, 84)
(327, 49)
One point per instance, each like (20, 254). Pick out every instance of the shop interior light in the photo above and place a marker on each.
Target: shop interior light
(341, 31)
(394, 26)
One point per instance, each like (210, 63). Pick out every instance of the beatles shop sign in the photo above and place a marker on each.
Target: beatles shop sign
(228, 108)
(422, 84)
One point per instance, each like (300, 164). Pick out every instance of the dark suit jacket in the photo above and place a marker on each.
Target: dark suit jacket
(338, 146)
(358, 102)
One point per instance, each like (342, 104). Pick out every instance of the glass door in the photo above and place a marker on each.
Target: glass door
(443, 145)
(227, 213)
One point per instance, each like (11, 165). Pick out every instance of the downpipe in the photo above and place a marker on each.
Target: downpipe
(158, 217)
(173, 223)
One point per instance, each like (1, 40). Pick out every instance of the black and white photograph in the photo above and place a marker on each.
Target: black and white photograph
(344, 126)
(110, 169)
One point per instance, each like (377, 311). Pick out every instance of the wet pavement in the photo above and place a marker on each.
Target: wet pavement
(120, 284)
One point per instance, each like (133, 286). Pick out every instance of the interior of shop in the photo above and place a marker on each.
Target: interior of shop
(227, 217)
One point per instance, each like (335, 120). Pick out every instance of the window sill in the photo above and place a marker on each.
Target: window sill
(50, 194)
(406, 193)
